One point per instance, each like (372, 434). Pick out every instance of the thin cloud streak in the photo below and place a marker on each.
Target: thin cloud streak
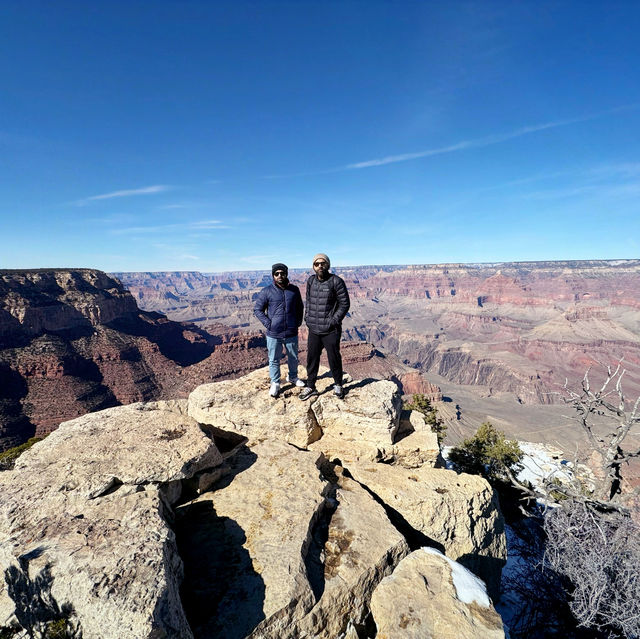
(146, 190)
(474, 143)
(478, 142)
(210, 225)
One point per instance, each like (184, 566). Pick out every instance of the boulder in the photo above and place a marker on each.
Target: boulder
(244, 406)
(83, 523)
(457, 513)
(363, 426)
(416, 444)
(428, 596)
(369, 413)
(245, 545)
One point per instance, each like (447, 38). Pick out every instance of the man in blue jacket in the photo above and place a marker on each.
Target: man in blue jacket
(279, 308)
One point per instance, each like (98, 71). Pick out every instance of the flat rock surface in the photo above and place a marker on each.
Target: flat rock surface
(141, 443)
(430, 597)
(459, 514)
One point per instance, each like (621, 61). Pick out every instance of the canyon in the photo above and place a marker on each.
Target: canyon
(74, 341)
(521, 327)
(489, 342)
(500, 340)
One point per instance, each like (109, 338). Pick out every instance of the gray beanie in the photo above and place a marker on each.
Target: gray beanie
(323, 256)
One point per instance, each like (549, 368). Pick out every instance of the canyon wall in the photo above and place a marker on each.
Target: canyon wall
(75, 341)
(522, 328)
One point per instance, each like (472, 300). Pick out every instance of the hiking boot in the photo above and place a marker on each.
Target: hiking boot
(308, 392)
(274, 390)
(296, 381)
(338, 391)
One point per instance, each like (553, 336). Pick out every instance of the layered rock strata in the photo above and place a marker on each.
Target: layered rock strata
(210, 518)
(74, 341)
(520, 327)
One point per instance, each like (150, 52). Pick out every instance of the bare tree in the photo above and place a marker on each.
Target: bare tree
(600, 555)
(608, 403)
(607, 419)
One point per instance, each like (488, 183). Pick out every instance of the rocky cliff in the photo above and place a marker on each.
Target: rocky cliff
(520, 327)
(233, 515)
(75, 341)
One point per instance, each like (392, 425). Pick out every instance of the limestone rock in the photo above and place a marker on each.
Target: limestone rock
(457, 513)
(431, 597)
(245, 545)
(416, 444)
(136, 444)
(363, 426)
(244, 406)
(83, 523)
(369, 413)
(362, 547)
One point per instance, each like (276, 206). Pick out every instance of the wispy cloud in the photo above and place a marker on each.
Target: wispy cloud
(256, 259)
(175, 206)
(209, 225)
(206, 224)
(462, 145)
(145, 190)
(488, 140)
(616, 180)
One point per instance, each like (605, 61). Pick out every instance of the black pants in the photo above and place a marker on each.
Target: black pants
(331, 343)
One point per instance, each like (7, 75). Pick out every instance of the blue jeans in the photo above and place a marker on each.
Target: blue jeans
(274, 348)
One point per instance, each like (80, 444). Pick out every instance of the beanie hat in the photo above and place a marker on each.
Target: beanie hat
(323, 256)
(279, 266)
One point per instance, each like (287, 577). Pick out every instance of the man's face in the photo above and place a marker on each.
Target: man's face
(280, 277)
(321, 268)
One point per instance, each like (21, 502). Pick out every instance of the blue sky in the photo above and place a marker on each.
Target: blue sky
(219, 136)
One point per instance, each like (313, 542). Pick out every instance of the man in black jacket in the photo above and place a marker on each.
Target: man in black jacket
(279, 308)
(326, 305)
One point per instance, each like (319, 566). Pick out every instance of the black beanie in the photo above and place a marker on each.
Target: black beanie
(279, 267)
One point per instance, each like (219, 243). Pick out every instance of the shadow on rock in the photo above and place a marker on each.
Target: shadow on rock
(415, 538)
(169, 336)
(222, 594)
(35, 606)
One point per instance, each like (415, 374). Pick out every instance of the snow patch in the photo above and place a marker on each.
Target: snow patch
(469, 588)
(541, 461)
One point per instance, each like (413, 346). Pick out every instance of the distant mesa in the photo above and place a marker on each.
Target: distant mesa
(508, 327)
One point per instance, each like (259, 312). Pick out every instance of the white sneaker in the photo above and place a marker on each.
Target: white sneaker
(274, 391)
(296, 380)
(338, 391)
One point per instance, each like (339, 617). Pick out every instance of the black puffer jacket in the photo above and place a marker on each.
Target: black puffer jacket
(327, 304)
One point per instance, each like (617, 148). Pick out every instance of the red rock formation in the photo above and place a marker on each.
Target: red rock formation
(74, 341)
(517, 327)
(415, 383)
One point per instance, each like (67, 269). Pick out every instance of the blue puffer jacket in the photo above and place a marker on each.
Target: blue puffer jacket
(280, 310)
